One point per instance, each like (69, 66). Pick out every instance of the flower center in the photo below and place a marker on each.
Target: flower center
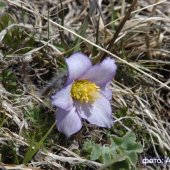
(84, 91)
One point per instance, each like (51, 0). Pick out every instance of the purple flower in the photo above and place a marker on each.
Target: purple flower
(86, 94)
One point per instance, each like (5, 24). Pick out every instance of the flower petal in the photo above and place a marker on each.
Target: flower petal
(98, 113)
(106, 91)
(101, 73)
(78, 64)
(68, 122)
(63, 98)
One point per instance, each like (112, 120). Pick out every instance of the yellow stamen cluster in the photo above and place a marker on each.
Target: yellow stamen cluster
(84, 91)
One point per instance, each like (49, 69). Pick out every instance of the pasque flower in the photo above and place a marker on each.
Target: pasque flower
(86, 94)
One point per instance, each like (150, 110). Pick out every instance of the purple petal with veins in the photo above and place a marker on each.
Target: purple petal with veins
(101, 73)
(68, 122)
(78, 64)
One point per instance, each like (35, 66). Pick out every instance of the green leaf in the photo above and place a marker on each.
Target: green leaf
(121, 154)
(116, 141)
(96, 152)
(123, 165)
(33, 149)
(132, 157)
(129, 138)
(107, 154)
(135, 147)
(120, 162)
(88, 146)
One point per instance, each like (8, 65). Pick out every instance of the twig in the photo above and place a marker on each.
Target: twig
(72, 160)
(122, 23)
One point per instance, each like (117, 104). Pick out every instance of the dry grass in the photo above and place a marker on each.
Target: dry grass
(140, 43)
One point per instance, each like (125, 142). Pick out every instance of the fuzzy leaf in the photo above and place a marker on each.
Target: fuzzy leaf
(135, 147)
(88, 146)
(132, 157)
(121, 153)
(96, 152)
(128, 138)
(107, 154)
(116, 141)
